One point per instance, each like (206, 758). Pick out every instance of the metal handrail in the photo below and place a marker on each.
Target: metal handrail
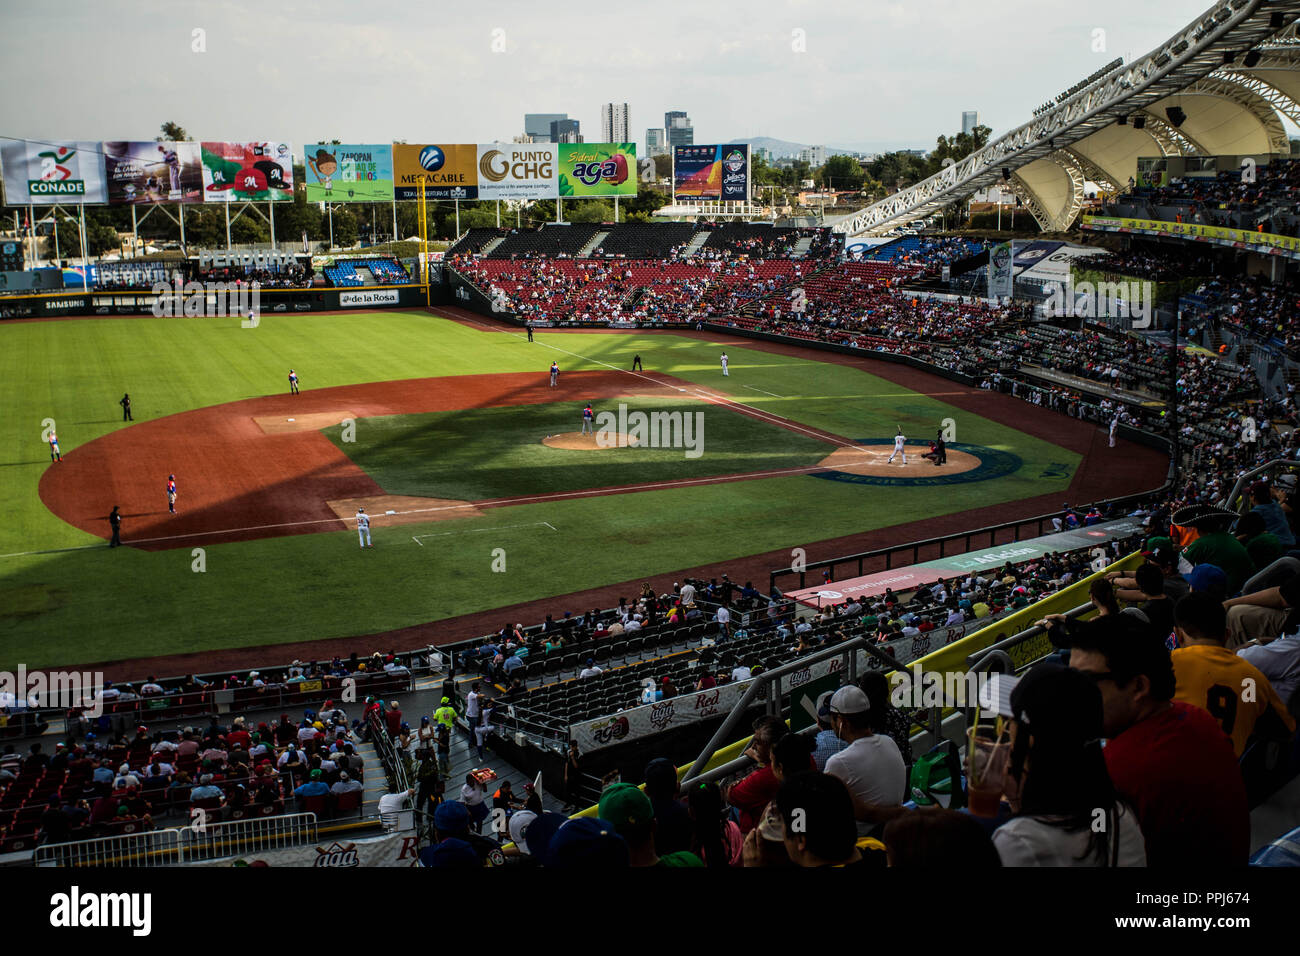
(1254, 472)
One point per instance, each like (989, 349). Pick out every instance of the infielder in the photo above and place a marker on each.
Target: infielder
(55, 454)
(724, 364)
(171, 493)
(587, 420)
(293, 377)
(363, 528)
(555, 373)
(899, 441)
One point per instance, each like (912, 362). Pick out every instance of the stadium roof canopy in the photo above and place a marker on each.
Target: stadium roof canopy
(1233, 72)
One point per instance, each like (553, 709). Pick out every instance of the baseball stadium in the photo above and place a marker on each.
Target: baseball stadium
(554, 504)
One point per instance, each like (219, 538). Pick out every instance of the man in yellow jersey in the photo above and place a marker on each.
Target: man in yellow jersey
(446, 714)
(1211, 677)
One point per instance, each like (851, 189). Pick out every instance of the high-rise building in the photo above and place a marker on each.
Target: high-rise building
(969, 120)
(814, 156)
(614, 126)
(679, 129)
(538, 125)
(656, 142)
(565, 131)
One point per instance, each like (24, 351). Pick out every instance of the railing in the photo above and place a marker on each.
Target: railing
(1245, 480)
(184, 844)
(394, 766)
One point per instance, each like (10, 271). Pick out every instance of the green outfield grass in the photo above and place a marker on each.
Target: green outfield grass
(81, 606)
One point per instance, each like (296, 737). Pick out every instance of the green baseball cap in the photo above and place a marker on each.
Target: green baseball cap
(625, 806)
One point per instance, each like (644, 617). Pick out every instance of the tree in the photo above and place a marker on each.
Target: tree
(173, 132)
(841, 172)
(589, 210)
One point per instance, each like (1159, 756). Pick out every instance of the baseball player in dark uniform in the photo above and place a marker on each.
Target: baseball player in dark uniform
(636, 363)
(529, 326)
(125, 402)
(115, 520)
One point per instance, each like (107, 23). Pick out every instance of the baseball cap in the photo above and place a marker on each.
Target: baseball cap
(315, 774)
(538, 835)
(1208, 577)
(588, 843)
(850, 699)
(626, 807)
(519, 825)
(451, 852)
(824, 704)
(452, 816)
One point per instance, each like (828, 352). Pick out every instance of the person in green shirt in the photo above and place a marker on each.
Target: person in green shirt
(446, 714)
(1215, 545)
(1264, 548)
(633, 817)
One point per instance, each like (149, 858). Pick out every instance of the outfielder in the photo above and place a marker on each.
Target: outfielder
(363, 528)
(899, 441)
(171, 493)
(724, 364)
(587, 420)
(555, 373)
(293, 376)
(1114, 424)
(55, 454)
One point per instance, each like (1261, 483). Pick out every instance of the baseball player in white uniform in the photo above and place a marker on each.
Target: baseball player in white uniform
(724, 364)
(1114, 423)
(899, 441)
(363, 528)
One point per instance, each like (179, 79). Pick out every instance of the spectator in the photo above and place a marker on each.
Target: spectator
(1228, 687)
(870, 766)
(345, 784)
(631, 814)
(752, 794)
(1057, 781)
(826, 832)
(474, 796)
(934, 839)
(673, 825)
(314, 787)
(715, 838)
(1169, 760)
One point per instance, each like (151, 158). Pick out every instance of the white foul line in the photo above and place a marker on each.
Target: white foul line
(509, 527)
(773, 394)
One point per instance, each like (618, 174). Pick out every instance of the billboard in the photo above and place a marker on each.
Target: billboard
(148, 172)
(447, 171)
(43, 174)
(348, 172)
(597, 169)
(246, 172)
(518, 170)
(718, 172)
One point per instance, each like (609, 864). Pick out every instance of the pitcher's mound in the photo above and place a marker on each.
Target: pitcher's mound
(410, 509)
(874, 460)
(577, 441)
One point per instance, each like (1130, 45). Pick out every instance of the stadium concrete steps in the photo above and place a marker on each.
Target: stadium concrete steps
(486, 250)
(594, 243)
(801, 248)
(374, 783)
(697, 240)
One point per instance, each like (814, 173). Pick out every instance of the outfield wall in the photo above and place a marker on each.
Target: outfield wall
(362, 299)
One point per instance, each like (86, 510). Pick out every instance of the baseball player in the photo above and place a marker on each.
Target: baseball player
(171, 493)
(55, 454)
(555, 373)
(363, 528)
(636, 363)
(293, 380)
(1114, 424)
(528, 324)
(899, 441)
(173, 169)
(125, 402)
(587, 420)
(724, 364)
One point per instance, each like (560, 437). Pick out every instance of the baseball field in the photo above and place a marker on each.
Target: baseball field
(481, 490)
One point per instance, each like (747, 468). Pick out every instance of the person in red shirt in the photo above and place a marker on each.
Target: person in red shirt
(1168, 759)
(751, 795)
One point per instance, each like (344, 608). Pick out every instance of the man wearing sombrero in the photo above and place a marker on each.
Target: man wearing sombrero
(1211, 543)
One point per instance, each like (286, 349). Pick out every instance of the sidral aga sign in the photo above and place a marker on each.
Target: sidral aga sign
(246, 260)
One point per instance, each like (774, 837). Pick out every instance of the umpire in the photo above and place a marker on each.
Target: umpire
(115, 520)
(125, 402)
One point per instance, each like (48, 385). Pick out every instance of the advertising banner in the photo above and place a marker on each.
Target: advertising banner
(149, 172)
(43, 174)
(1264, 242)
(597, 169)
(348, 172)
(247, 172)
(518, 170)
(1000, 271)
(389, 850)
(718, 172)
(447, 171)
(370, 297)
(33, 280)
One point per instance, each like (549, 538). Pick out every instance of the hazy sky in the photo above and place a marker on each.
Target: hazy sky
(873, 72)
